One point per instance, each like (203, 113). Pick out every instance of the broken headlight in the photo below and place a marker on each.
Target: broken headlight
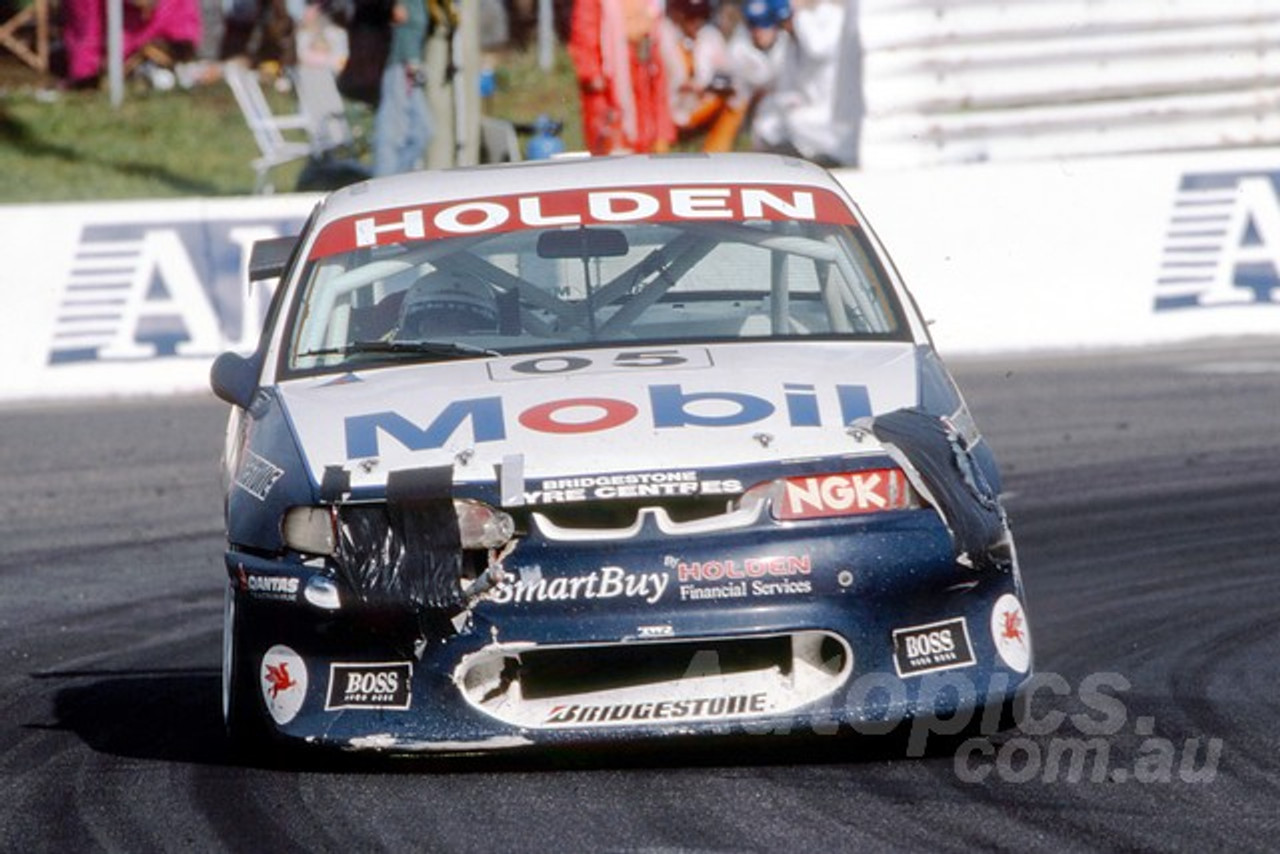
(314, 530)
(311, 530)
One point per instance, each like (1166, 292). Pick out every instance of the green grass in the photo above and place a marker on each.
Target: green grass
(525, 91)
(74, 146)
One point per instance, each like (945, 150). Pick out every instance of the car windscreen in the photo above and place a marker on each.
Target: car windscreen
(539, 289)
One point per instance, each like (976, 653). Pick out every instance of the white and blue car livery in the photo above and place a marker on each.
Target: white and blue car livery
(600, 450)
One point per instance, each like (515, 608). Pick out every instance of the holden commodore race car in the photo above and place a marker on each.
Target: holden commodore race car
(602, 449)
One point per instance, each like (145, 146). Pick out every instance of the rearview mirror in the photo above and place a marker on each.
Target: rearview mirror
(583, 243)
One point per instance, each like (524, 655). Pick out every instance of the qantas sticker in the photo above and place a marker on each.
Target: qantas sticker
(701, 708)
(281, 588)
(564, 208)
(383, 685)
(936, 646)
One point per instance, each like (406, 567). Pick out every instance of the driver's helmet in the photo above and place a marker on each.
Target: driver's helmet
(444, 303)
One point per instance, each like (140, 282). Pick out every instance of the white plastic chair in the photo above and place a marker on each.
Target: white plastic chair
(268, 128)
(322, 104)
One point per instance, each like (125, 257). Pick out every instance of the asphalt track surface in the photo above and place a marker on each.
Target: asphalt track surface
(1145, 493)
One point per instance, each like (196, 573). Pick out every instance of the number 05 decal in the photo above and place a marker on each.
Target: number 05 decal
(624, 360)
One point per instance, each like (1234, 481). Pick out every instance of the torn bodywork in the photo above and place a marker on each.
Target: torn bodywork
(940, 464)
(407, 552)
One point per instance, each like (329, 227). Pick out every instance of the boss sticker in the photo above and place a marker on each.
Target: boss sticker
(381, 685)
(936, 646)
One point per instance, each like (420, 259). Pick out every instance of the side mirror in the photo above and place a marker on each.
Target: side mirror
(268, 258)
(234, 378)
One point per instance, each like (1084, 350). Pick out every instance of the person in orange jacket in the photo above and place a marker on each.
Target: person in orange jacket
(615, 48)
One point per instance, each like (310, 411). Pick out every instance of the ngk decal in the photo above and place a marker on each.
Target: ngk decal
(662, 406)
(842, 494)
(604, 206)
(936, 646)
(382, 685)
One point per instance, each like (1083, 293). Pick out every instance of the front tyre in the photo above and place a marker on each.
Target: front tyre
(243, 711)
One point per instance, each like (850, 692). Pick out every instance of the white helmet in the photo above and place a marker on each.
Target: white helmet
(444, 303)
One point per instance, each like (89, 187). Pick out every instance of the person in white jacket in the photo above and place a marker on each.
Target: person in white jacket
(759, 53)
(814, 108)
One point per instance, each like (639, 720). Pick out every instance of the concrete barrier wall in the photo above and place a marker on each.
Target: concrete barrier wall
(129, 298)
(998, 80)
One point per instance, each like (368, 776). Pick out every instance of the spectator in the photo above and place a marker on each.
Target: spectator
(699, 75)
(801, 117)
(615, 47)
(260, 31)
(176, 23)
(402, 125)
(320, 42)
(758, 54)
(368, 27)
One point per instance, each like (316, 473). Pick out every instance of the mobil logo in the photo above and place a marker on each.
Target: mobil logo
(664, 406)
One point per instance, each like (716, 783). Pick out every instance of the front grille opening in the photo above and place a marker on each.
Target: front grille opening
(615, 515)
(565, 672)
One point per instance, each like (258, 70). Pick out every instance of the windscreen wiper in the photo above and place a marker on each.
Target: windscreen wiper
(412, 348)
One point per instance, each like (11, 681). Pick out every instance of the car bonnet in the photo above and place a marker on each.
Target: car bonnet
(595, 411)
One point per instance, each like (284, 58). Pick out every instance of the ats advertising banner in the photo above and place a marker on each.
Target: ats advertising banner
(138, 297)
(131, 298)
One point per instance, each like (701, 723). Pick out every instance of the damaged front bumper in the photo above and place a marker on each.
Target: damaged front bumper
(813, 626)
(434, 621)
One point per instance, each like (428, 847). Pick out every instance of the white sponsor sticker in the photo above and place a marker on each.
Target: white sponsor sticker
(283, 679)
(1010, 633)
(257, 475)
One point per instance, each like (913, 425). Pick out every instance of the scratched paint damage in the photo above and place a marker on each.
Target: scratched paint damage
(387, 741)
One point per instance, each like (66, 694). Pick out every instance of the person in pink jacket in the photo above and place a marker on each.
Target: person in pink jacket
(84, 31)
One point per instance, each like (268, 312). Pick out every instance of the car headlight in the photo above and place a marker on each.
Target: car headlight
(822, 496)
(481, 526)
(311, 530)
(314, 530)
